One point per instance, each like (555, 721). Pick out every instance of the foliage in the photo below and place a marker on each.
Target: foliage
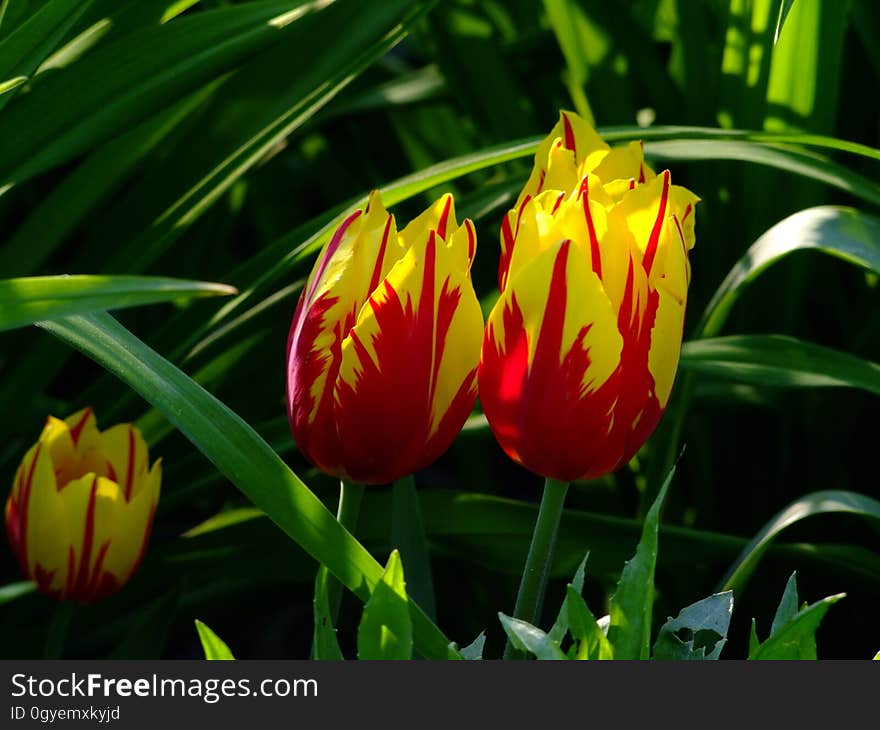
(150, 147)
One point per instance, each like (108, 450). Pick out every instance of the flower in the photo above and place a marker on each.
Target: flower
(581, 349)
(81, 507)
(383, 348)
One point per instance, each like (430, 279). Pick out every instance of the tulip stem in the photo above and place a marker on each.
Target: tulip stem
(533, 585)
(57, 632)
(351, 495)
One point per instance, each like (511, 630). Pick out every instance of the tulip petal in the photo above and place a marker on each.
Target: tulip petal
(351, 267)
(548, 371)
(127, 457)
(405, 388)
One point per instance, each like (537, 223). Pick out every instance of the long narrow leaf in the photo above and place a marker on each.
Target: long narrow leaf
(32, 299)
(242, 455)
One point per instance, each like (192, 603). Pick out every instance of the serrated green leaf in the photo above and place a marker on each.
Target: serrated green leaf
(32, 299)
(474, 650)
(530, 639)
(561, 625)
(325, 645)
(698, 628)
(214, 647)
(385, 630)
(788, 605)
(797, 638)
(632, 604)
(585, 630)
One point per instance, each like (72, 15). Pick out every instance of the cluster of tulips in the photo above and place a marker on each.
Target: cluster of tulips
(388, 348)
(388, 351)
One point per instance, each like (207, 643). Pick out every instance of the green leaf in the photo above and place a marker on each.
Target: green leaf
(698, 632)
(68, 203)
(141, 73)
(241, 455)
(805, 164)
(528, 638)
(631, 606)
(408, 536)
(214, 647)
(797, 638)
(784, 9)
(561, 625)
(585, 630)
(474, 650)
(325, 645)
(385, 630)
(11, 591)
(572, 31)
(32, 299)
(816, 503)
(844, 233)
(28, 46)
(788, 605)
(777, 360)
(271, 107)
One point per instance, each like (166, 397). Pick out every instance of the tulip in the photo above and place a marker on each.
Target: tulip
(81, 507)
(384, 345)
(581, 349)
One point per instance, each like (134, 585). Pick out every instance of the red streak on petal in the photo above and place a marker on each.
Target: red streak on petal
(17, 513)
(111, 472)
(385, 418)
(312, 423)
(540, 187)
(558, 202)
(377, 267)
(569, 135)
(79, 590)
(472, 241)
(330, 251)
(444, 218)
(76, 431)
(507, 243)
(595, 253)
(654, 240)
(541, 413)
(641, 173)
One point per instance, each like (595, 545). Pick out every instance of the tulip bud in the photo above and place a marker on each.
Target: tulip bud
(81, 507)
(383, 348)
(581, 349)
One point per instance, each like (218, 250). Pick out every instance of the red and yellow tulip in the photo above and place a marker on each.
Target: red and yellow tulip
(384, 345)
(581, 349)
(81, 507)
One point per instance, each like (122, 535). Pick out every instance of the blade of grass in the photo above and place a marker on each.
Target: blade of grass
(811, 505)
(27, 300)
(779, 361)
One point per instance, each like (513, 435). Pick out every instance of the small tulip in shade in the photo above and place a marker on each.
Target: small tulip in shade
(81, 507)
(582, 347)
(383, 349)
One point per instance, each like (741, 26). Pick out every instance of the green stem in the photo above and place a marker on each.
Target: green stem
(350, 497)
(534, 580)
(408, 536)
(57, 632)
